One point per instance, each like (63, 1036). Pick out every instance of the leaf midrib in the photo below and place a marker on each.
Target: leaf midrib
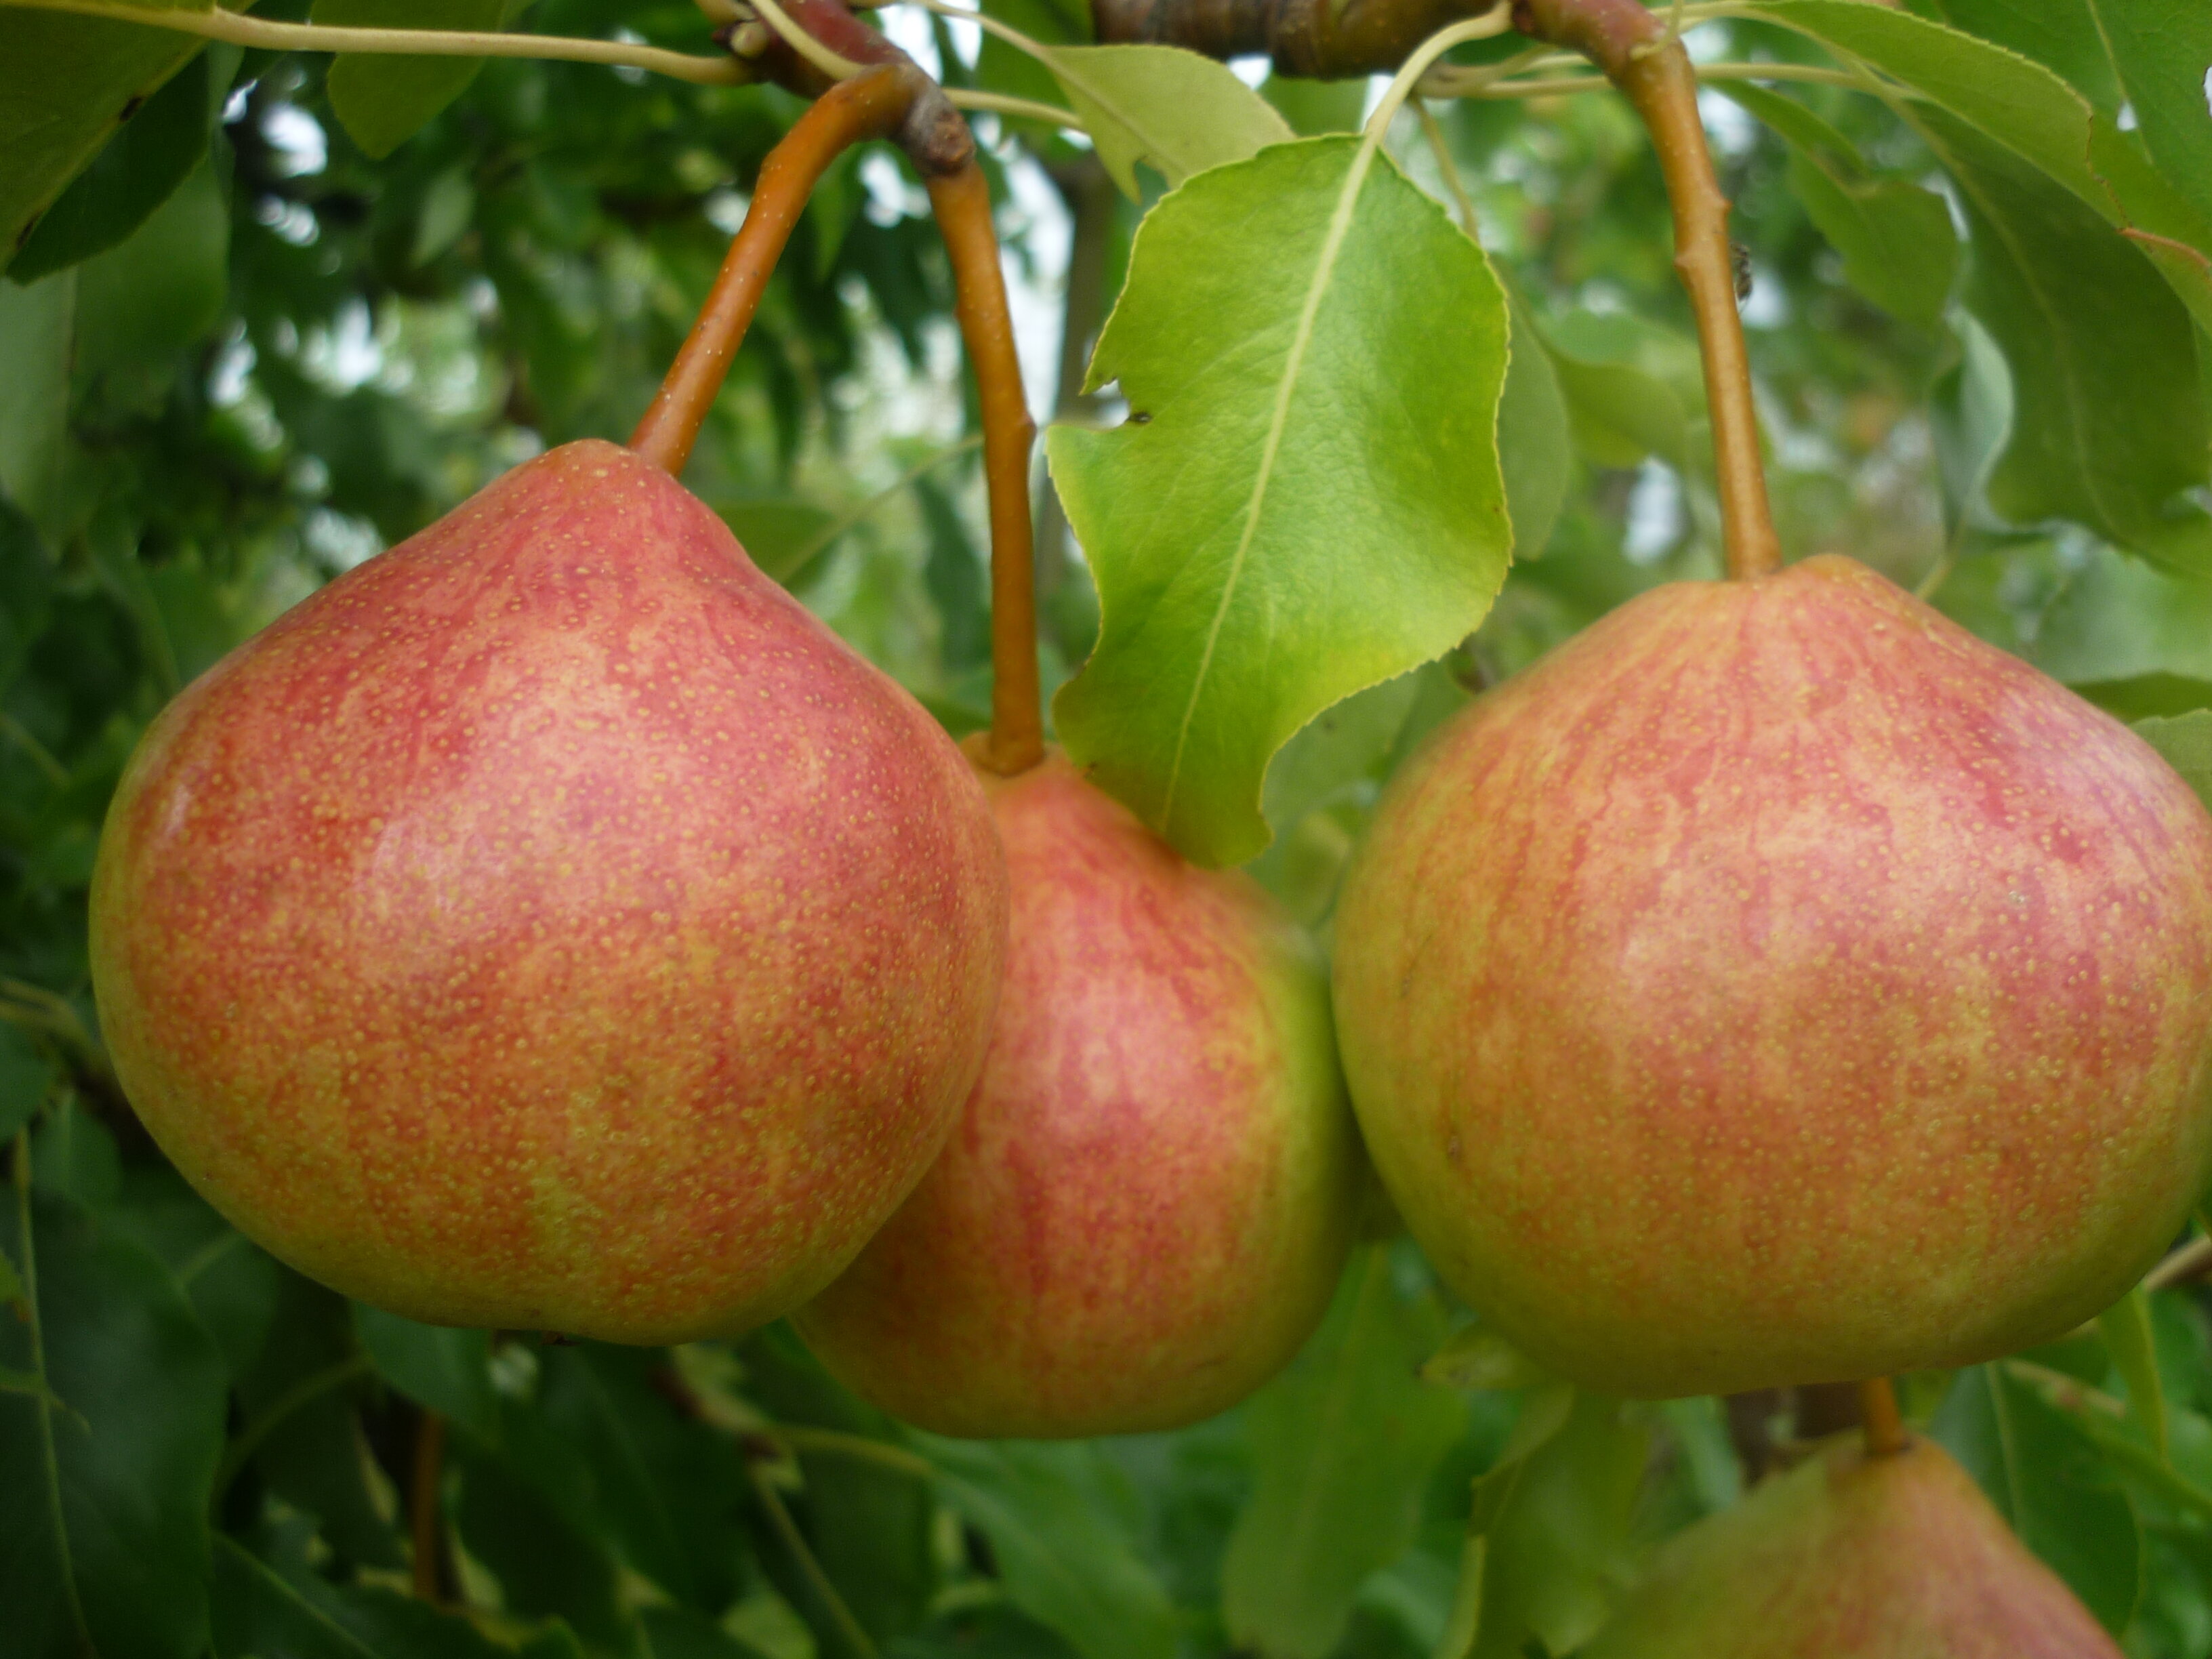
(1340, 226)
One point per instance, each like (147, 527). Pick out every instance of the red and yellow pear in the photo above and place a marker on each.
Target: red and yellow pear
(1154, 1184)
(1854, 1555)
(1776, 984)
(550, 924)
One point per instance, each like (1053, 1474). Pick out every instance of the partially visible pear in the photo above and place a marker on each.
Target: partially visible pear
(1777, 984)
(1854, 1556)
(1154, 1186)
(550, 925)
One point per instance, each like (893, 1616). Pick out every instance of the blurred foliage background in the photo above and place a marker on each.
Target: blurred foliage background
(304, 354)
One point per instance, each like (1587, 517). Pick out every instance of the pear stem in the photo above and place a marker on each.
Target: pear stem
(1641, 54)
(1885, 1424)
(869, 105)
(962, 202)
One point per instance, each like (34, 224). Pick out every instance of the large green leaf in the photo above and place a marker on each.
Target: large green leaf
(2047, 1478)
(1343, 1446)
(2108, 420)
(156, 150)
(67, 85)
(1175, 111)
(1306, 499)
(608, 1445)
(2150, 55)
(385, 101)
(1553, 1525)
(104, 1529)
(2029, 109)
(1064, 1561)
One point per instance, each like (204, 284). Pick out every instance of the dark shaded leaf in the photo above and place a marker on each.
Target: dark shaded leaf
(104, 1532)
(2047, 1479)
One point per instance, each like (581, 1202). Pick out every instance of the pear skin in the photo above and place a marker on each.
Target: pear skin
(1850, 1556)
(1154, 1185)
(1776, 984)
(550, 925)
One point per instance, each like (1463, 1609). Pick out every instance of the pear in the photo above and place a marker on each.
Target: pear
(1854, 1555)
(1154, 1185)
(1776, 984)
(549, 924)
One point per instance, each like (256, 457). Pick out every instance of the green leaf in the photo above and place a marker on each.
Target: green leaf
(1897, 241)
(386, 100)
(1344, 1443)
(67, 85)
(1620, 408)
(2118, 620)
(1064, 1561)
(2161, 54)
(2186, 740)
(1555, 1519)
(26, 1077)
(1314, 108)
(1306, 501)
(161, 289)
(299, 1400)
(156, 152)
(2151, 55)
(446, 1369)
(2027, 108)
(1535, 440)
(546, 1566)
(104, 1532)
(2126, 1329)
(667, 1490)
(1003, 67)
(2108, 415)
(1336, 749)
(1176, 112)
(2049, 1482)
(868, 1525)
(261, 1613)
(36, 326)
(232, 1283)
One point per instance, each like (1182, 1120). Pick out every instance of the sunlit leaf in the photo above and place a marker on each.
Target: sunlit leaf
(1173, 110)
(1306, 499)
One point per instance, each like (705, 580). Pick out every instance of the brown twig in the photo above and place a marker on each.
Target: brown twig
(1327, 40)
(423, 1503)
(962, 201)
(869, 105)
(1885, 1425)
